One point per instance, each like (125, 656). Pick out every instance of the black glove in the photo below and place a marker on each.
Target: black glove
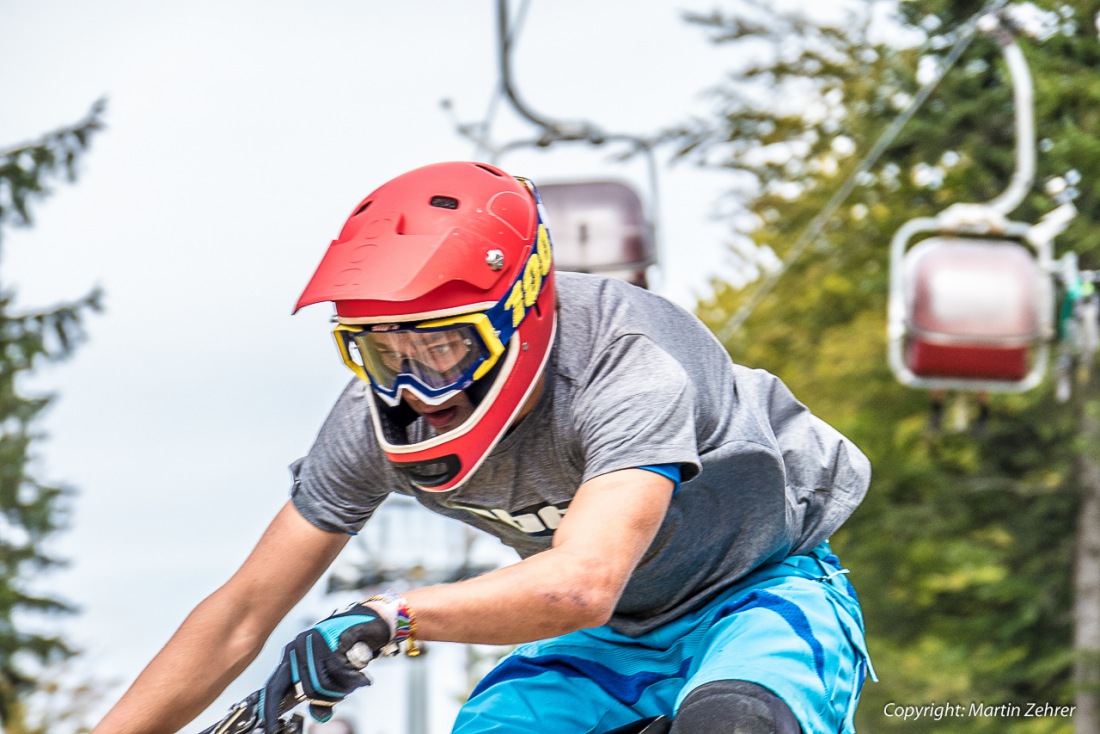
(325, 663)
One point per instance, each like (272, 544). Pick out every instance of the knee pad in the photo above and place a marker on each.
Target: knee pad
(734, 707)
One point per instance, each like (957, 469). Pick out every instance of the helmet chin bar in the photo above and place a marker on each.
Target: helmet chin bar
(435, 464)
(432, 472)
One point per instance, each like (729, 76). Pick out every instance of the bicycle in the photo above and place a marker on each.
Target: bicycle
(244, 718)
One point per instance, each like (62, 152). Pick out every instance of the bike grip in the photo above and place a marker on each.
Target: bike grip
(359, 655)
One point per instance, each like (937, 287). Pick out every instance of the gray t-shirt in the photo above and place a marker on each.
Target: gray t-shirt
(633, 380)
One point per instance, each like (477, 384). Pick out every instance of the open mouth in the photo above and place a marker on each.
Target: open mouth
(441, 418)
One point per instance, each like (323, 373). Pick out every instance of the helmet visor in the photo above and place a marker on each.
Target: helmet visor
(434, 359)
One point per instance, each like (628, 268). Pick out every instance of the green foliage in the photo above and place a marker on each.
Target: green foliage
(963, 549)
(31, 510)
(26, 169)
(65, 701)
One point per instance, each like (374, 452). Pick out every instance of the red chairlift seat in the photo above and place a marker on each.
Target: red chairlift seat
(599, 227)
(973, 309)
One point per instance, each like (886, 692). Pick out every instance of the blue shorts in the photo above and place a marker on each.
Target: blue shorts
(794, 627)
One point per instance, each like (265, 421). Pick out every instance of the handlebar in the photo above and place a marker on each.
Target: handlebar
(244, 718)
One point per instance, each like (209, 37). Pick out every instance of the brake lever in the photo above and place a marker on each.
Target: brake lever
(244, 718)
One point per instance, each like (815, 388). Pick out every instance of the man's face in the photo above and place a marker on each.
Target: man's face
(438, 357)
(445, 353)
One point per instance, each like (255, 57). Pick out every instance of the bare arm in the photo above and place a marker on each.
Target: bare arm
(226, 631)
(573, 585)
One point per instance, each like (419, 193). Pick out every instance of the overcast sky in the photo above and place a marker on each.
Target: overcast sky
(240, 135)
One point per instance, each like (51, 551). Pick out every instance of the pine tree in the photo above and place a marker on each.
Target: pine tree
(963, 549)
(31, 510)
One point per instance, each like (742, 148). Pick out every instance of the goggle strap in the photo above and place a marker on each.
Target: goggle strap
(343, 341)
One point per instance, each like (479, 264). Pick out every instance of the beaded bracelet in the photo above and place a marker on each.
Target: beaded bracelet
(404, 621)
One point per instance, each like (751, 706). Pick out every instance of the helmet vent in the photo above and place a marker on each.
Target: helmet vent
(493, 171)
(363, 208)
(444, 202)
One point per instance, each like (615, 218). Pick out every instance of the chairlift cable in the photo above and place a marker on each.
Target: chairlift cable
(814, 228)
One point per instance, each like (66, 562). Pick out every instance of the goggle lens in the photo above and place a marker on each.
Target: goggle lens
(434, 360)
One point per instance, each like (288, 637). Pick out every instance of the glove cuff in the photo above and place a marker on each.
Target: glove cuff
(395, 610)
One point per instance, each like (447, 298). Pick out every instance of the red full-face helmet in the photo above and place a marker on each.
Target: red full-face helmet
(443, 282)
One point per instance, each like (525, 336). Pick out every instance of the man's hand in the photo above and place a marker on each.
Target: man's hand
(324, 664)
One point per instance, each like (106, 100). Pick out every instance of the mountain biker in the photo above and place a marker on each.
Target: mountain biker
(671, 509)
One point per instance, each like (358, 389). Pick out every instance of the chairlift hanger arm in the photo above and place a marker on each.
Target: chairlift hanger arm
(1023, 103)
(992, 216)
(553, 130)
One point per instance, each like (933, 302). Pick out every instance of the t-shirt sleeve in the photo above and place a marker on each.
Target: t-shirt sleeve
(338, 485)
(635, 407)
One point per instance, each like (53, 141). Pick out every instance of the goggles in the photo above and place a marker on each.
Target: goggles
(437, 358)
(434, 359)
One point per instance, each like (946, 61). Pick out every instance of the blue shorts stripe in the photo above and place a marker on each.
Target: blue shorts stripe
(627, 689)
(791, 614)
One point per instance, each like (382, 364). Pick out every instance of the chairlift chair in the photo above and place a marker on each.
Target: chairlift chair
(972, 297)
(970, 311)
(599, 227)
